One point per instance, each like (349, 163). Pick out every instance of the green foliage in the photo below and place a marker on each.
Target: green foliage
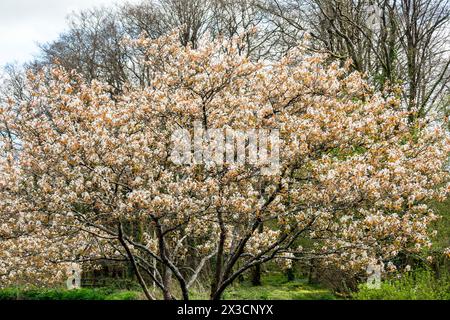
(419, 285)
(343, 154)
(442, 226)
(61, 294)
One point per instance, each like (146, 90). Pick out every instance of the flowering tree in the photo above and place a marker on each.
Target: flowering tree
(86, 176)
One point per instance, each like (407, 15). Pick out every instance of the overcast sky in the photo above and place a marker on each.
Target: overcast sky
(24, 23)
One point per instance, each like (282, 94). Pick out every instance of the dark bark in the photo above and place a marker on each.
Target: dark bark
(134, 264)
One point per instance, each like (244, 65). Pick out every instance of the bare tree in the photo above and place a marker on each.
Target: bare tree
(408, 45)
(92, 46)
(424, 31)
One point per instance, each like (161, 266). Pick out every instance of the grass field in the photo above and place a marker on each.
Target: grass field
(420, 285)
(276, 287)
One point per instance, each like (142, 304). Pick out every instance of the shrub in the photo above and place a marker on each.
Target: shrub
(419, 285)
(124, 295)
(9, 294)
(61, 294)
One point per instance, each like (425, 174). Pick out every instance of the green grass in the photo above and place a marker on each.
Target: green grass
(125, 295)
(276, 287)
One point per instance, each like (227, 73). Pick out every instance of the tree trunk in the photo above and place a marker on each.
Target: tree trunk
(256, 271)
(256, 275)
(167, 278)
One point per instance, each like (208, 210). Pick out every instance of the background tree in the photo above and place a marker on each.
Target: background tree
(404, 41)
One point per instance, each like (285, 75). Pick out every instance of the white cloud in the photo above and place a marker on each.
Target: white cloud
(25, 23)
